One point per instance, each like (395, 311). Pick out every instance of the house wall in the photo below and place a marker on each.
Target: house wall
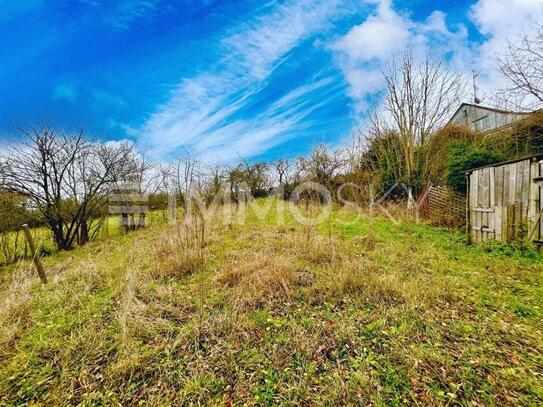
(481, 119)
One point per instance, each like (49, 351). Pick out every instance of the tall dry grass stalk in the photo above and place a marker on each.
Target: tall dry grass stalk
(258, 278)
(130, 307)
(15, 303)
(180, 250)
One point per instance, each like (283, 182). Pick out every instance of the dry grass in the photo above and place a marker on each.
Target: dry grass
(15, 305)
(318, 250)
(367, 312)
(258, 278)
(180, 250)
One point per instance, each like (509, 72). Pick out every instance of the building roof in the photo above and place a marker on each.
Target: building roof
(490, 109)
(516, 160)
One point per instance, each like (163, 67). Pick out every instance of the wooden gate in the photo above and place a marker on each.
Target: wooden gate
(505, 201)
(536, 230)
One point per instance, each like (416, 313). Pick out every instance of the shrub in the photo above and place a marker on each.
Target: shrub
(45, 251)
(461, 157)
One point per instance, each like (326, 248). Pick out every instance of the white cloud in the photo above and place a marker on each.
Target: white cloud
(377, 37)
(203, 112)
(500, 21)
(198, 109)
(387, 31)
(246, 137)
(258, 46)
(4, 145)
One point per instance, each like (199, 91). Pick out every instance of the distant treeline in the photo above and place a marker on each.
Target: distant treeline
(63, 181)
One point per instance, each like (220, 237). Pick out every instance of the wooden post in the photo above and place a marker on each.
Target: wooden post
(468, 213)
(372, 197)
(35, 256)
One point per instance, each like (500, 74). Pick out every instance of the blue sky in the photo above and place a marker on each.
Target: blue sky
(226, 79)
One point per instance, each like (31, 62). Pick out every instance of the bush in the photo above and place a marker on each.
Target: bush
(45, 251)
(461, 157)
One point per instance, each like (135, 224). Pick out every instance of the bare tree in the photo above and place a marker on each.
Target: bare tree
(322, 165)
(256, 177)
(283, 168)
(66, 178)
(186, 173)
(216, 175)
(522, 66)
(419, 98)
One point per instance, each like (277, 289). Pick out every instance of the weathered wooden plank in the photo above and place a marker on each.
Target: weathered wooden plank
(489, 233)
(498, 222)
(480, 189)
(498, 189)
(480, 224)
(486, 189)
(491, 225)
(512, 183)
(518, 181)
(519, 219)
(505, 221)
(525, 196)
(532, 210)
(492, 202)
(510, 221)
(539, 195)
(492, 187)
(481, 182)
(506, 178)
(472, 202)
(478, 209)
(519, 215)
(485, 229)
(474, 189)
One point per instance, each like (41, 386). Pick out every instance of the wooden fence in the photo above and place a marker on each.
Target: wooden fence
(443, 206)
(505, 201)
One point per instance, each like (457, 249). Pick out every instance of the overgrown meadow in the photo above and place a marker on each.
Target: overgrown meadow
(355, 310)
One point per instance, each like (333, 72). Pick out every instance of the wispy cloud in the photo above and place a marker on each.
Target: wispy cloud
(203, 111)
(65, 91)
(122, 14)
(282, 120)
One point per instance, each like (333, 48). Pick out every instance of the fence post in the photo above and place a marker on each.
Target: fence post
(372, 197)
(35, 256)
(468, 208)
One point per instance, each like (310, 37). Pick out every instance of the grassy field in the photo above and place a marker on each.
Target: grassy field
(13, 242)
(354, 311)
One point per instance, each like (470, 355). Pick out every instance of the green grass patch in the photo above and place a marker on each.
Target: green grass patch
(356, 310)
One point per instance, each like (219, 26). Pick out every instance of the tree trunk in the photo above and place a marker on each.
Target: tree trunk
(83, 232)
(59, 240)
(410, 199)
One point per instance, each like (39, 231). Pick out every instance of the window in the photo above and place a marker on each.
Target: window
(481, 123)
